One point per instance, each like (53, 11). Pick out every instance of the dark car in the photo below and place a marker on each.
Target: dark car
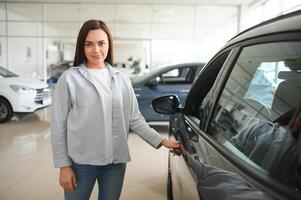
(173, 79)
(56, 70)
(237, 112)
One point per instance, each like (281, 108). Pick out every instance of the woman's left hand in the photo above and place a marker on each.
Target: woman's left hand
(171, 144)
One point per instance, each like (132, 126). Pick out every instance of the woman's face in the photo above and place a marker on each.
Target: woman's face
(96, 47)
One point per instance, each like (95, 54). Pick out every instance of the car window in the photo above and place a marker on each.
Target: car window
(256, 105)
(204, 92)
(178, 75)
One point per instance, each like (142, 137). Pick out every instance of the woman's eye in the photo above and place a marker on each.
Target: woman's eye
(88, 44)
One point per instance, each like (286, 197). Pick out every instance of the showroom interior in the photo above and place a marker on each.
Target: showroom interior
(38, 41)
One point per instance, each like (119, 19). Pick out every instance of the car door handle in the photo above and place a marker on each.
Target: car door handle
(175, 152)
(184, 91)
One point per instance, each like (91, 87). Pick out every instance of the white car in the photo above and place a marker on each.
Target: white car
(21, 95)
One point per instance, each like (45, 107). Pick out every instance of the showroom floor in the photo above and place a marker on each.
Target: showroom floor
(26, 170)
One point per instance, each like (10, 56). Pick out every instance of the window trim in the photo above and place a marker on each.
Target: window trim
(200, 82)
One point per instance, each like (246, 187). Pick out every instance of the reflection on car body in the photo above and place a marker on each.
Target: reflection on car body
(237, 112)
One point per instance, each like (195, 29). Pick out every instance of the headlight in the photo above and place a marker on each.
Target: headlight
(22, 89)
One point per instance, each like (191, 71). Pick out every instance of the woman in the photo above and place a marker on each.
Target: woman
(93, 110)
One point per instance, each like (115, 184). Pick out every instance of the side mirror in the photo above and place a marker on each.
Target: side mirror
(152, 83)
(166, 104)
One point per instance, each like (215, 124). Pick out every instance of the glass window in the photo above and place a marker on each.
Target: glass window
(171, 31)
(62, 29)
(179, 75)
(167, 51)
(2, 28)
(25, 29)
(256, 15)
(123, 30)
(24, 11)
(3, 52)
(2, 11)
(258, 102)
(271, 9)
(290, 5)
(201, 110)
(30, 57)
(62, 12)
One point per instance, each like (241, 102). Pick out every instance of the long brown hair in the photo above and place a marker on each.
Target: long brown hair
(80, 56)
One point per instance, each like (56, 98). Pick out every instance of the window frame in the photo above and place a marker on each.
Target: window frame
(253, 176)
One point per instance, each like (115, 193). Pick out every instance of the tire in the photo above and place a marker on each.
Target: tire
(6, 111)
(169, 183)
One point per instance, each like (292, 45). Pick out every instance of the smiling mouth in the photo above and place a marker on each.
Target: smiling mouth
(96, 57)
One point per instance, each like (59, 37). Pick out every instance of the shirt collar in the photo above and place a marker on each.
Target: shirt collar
(84, 71)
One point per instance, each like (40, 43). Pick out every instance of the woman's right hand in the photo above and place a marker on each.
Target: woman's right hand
(67, 178)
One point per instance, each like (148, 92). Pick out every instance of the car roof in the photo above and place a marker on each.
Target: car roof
(285, 23)
(163, 69)
(183, 64)
(199, 64)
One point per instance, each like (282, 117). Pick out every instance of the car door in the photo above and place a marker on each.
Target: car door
(183, 128)
(241, 122)
(251, 113)
(174, 81)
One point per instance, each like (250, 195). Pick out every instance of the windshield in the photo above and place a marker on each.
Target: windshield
(5, 73)
(142, 77)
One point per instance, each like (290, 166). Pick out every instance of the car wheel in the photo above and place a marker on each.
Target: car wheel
(169, 183)
(6, 111)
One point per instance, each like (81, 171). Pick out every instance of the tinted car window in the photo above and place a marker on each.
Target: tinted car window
(257, 103)
(201, 109)
(179, 75)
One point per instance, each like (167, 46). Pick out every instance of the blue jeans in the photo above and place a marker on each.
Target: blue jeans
(109, 178)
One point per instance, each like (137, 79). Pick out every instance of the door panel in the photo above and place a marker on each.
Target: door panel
(184, 180)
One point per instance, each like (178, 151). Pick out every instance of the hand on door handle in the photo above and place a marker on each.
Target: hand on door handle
(175, 152)
(180, 151)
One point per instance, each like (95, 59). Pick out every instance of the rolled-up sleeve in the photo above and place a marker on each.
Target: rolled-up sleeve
(60, 109)
(139, 126)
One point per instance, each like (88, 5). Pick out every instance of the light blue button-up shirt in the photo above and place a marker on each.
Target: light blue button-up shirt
(77, 125)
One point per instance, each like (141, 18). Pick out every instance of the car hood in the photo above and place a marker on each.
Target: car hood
(26, 82)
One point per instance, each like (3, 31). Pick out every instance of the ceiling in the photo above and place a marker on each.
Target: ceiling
(173, 2)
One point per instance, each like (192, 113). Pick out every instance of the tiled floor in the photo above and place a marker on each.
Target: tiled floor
(26, 171)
